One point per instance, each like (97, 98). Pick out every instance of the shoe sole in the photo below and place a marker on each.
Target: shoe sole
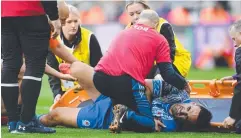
(115, 126)
(22, 132)
(16, 132)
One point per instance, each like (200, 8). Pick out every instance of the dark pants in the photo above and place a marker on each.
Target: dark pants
(127, 91)
(235, 109)
(28, 37)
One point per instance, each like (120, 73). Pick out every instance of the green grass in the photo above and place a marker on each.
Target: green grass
(45, 100)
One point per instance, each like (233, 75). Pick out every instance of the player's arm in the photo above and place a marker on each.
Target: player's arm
(54, 82)
(171, 76)
(167, 31)
(49, 70)
(59, 49)
(166, 69)
(153, 88)
(95, 51)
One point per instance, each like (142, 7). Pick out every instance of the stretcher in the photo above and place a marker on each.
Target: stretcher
(212, 94)
(75, 97)
(216, 96)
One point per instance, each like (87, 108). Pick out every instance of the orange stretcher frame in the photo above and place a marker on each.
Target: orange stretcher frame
(200, 89)
(211, 88)
(72, 98)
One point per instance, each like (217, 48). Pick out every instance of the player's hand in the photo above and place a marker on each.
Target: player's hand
(226, 78)
(79, 87)
(188, 88)
(55, 26)
(67, 77)
(234, 83)
(64, 68)
(158, 125)
(57, 98)
(228, 122)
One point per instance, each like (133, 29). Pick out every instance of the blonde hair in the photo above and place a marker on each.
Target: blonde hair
(236, 26)
(149, 15)
(73, 10)
(142, 2)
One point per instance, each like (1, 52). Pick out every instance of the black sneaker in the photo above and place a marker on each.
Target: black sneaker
(238, 127)
(33, 127)
(119, 112)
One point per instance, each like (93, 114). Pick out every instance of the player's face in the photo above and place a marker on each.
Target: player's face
(134, 10)
(186, 112)
(71, 24)
(236, 37)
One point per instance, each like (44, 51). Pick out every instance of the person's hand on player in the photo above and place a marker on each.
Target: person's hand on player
(158, 125)
(226, 78)
(188, 88)
(67, 77)
(57, 98)
(228, 122)
(64, 68)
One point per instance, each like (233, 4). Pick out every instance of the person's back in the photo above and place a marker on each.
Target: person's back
(133, 52)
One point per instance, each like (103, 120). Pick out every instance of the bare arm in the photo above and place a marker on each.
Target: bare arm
(64, 54)
(49, 70)
(61, 51)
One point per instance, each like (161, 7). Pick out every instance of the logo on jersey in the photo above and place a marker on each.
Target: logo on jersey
(140, 28)
(86, 123)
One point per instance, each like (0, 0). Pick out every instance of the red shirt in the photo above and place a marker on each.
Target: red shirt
(21, 8)
(133, 52)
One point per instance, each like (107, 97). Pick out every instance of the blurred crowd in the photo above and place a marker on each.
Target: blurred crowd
(180, 13)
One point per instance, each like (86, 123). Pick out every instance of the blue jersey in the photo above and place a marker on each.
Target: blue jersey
(97, 115)
(161, 106)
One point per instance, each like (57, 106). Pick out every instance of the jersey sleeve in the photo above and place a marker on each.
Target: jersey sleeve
(157, 87)
(163, 51)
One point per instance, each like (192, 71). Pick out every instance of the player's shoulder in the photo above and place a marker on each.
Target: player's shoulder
(159, 38)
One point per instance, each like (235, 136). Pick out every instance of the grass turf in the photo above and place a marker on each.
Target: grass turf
(45, 100)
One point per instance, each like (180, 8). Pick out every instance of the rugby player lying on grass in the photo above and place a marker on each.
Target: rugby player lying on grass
(121, 72)
(171, 106)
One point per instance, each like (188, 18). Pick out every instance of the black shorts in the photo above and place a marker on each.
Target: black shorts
(118, 88)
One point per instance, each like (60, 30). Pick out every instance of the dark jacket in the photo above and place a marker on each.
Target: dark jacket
(235, 110)
(167, 32)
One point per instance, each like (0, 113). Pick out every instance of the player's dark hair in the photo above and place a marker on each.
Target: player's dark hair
(204, 118)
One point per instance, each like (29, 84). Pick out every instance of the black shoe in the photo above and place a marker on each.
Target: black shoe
(238, 127)
(33, 127)
(119, 114)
